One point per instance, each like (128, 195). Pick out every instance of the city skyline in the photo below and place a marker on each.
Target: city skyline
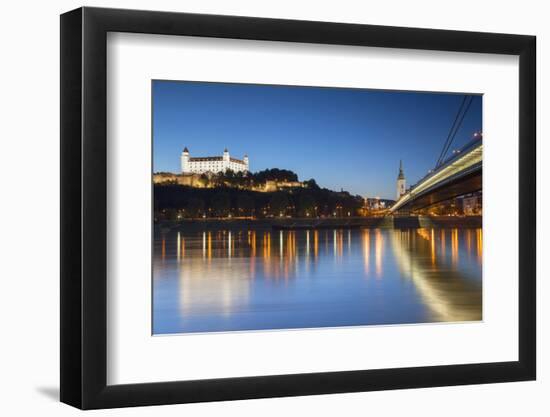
(351, 139)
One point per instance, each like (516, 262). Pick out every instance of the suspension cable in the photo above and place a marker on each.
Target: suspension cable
(456, 129)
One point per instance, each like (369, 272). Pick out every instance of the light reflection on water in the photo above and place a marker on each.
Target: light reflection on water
(223, 280)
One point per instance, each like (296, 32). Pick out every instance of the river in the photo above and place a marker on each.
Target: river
(259, 279)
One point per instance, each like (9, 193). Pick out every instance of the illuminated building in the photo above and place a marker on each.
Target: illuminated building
(191, 180)
(212, 164)
(471, 204)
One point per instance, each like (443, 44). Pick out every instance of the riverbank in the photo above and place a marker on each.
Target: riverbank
(389, 222)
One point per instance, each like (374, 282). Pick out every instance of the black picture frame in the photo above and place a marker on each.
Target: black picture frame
(84, 207)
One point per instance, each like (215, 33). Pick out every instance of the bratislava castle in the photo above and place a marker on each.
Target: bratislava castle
(213, 164)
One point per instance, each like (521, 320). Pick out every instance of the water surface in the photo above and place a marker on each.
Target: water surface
(256, 279)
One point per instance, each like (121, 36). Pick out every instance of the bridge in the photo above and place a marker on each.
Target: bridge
(459, 175)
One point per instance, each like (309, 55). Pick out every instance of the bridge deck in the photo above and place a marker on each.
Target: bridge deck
(463, 164)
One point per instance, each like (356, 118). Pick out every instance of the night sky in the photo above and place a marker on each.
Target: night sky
(343, 138)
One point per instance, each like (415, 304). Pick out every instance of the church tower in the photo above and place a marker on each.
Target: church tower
(185, 160)
(400, 181)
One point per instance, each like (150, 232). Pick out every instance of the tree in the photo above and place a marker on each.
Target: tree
(171, 200)
(229, 174)
(311, 184)
(204, 180)
(245, 204)
(275, 174)
(171, 214)
(221, 204)
(194, 207)
(306, 205)
(278, 204)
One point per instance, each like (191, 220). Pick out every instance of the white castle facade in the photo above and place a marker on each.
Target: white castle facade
(212, 164)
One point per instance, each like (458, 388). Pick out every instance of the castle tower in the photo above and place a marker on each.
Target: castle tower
(401, 184)
(245, 160)
(225, 159)
(185, 160)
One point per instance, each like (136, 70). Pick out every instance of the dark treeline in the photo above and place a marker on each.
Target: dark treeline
(176, 201)
(248, 179)
(271, 174)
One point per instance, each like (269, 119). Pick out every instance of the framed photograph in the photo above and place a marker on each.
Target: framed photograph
(258, 208)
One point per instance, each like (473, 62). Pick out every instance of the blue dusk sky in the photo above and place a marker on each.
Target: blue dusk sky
(343, 138)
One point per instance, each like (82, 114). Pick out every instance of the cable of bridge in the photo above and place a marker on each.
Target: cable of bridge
(450, 131)
(459, 118)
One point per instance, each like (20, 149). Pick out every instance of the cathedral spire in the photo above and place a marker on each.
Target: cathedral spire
(401, 183)
(401, 175)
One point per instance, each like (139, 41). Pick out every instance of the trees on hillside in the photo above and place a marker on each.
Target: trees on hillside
(194, 207)
(245, 205)
(221, 204)
(194, 202)
(274, 174)
(240, 179)
(307, 205)
(278, 205)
